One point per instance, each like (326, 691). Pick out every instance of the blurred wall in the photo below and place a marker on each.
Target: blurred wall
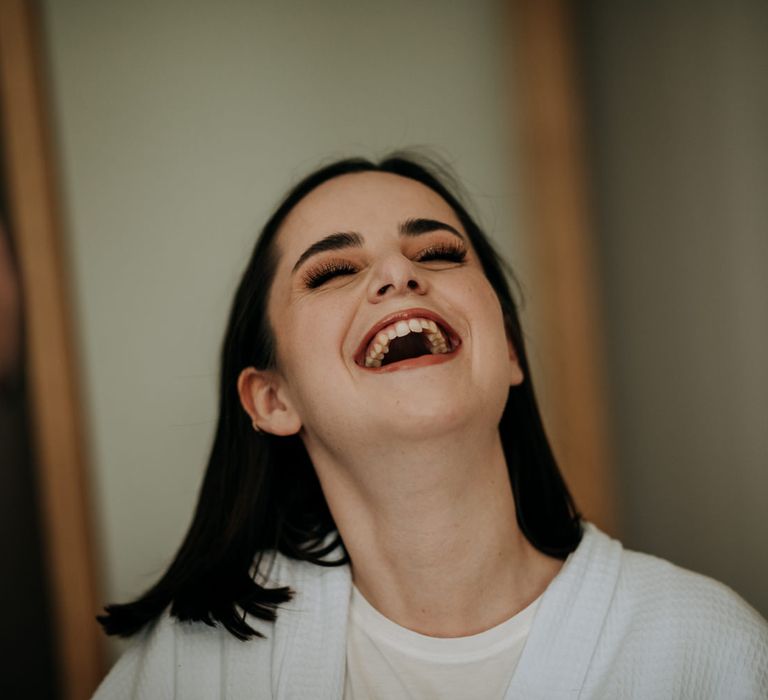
(179, 124)
(677, 99)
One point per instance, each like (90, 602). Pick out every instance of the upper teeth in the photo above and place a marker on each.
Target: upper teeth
(379, 346)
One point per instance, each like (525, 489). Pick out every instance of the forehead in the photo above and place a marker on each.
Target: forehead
(368, 203)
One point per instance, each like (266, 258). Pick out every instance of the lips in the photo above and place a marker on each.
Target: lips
(451, 338)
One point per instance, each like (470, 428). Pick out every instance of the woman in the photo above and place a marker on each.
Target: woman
(382, 515)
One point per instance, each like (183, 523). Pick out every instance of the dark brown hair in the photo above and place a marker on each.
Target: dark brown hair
(260, 492)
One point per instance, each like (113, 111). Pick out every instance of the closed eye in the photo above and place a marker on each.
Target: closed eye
(326, 271)
(443, 251)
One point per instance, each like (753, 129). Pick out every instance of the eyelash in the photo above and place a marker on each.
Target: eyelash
(324, 272)
(453, 252)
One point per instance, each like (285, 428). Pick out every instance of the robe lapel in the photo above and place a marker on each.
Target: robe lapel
(569, 621)
(309, 653)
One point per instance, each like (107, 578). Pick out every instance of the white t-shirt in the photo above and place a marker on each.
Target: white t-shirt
(385, 660)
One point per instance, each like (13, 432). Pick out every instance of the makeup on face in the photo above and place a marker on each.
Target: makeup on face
(408, 228)
(406, 338)
(377, 271)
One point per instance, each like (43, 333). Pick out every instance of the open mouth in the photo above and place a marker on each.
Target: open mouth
(405, 337)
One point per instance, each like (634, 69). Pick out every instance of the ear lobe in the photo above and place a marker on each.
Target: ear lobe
(516, 375)
(264, 399)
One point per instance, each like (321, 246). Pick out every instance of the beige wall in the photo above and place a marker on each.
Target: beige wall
(179, 124)
(679, 121)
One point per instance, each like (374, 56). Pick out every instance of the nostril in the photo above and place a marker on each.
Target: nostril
(411, 284)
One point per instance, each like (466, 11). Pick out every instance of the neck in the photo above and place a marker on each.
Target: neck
(432, 533)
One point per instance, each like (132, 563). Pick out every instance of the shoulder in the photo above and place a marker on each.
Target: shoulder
(171, 659)
(648, 587)
(660, 591)
(685, 626)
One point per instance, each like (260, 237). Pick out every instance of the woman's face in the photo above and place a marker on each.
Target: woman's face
(385, 324)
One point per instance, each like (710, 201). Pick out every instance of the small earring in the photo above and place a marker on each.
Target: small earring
(257, 428)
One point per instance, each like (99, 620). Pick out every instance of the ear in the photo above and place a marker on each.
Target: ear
(265, 400)
(515, 371)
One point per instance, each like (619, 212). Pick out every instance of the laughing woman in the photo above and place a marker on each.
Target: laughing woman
(382, 516)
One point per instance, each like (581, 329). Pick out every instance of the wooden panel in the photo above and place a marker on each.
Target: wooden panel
(52, 379)
(565, 286)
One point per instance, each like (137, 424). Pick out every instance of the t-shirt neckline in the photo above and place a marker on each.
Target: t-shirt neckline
(473, 647)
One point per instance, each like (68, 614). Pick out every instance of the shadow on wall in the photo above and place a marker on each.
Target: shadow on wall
(677, 106)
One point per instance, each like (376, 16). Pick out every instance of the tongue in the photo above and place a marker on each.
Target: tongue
(411, 345)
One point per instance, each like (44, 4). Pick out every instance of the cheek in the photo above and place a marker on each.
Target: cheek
(486, 305)
(309, 350)
(489, 331)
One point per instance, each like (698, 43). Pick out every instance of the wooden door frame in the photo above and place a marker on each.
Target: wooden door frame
(52, 376)
(546, 93)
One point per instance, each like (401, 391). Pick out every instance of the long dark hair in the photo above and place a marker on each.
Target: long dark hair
(260, 492)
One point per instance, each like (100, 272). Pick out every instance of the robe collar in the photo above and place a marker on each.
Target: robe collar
(309, 650)
(568, 623)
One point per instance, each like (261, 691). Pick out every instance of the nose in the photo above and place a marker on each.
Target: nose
(393, 276)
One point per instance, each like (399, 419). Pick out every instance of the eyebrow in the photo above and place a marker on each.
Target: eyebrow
(337, 241)
(417, 227)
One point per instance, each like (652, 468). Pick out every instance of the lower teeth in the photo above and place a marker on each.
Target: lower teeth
(438, 349)
(437, 345)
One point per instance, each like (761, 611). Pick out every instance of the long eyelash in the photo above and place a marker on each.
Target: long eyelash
(319, 275)
(326, 271)
(443, 251)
